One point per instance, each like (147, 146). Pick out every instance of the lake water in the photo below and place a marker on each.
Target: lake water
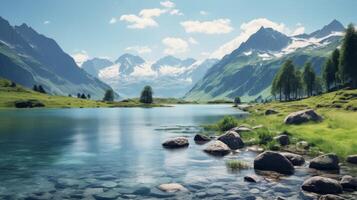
(116, 153)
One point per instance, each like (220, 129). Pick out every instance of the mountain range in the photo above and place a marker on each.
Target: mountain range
(249, 70)
(29, 58)
(168, 76)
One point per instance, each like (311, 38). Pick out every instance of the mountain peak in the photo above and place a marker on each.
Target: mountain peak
(173, 61)
(333, 26)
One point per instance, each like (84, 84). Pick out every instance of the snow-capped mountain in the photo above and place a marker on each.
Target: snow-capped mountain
(248, 71)
(169, 76)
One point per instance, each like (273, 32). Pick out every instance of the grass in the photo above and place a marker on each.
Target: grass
(336, 133)
(10, 94)
(236, 165)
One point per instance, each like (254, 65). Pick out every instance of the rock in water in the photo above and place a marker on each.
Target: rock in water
(232, 139)
(348, 182)
(272, 161)
(252, 178)
(199, 138)
(217, 148)
(352, 159)
(172, 187)
(177, 142)
(325, 162)
(302, 117)
(295, 159)
(322, 185)
(283, 139)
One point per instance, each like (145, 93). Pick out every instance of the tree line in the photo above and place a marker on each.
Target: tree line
(340, 70)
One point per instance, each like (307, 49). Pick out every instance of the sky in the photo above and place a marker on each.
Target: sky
(155, 28)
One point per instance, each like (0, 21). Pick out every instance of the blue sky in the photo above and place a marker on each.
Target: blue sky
(154, 28)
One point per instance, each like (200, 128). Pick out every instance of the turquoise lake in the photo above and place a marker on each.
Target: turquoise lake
(116, 153)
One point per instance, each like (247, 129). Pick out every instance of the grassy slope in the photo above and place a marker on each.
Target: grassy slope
(336, 133)
(8, 95)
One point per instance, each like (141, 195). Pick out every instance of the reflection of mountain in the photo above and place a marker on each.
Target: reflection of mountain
(169, 76)
(248, 71)
(29, 58)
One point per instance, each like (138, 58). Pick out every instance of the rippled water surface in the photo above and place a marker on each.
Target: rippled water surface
(116, 153)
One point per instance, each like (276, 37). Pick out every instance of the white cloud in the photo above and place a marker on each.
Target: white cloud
(175, 45)
(202, 12)
(139, 49)
(249, 28)
(218, 26)
(167, 4)
(176, 12)
(46, 22)
(80, 57)
(192, 40)
(113, 20)
(144, 19)
(300, 29)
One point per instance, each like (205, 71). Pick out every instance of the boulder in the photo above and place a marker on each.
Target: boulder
(302, 116)
(270, 112)
(199, 138)
(295, 159)
(217, 148)
(172, 187)
(348, 182)
(177, 142)
(352, 159)
(325, 162)
(303, 145)
(232, 139)
(273, 161)
(283, 139)
(322, 185)
(330, 197)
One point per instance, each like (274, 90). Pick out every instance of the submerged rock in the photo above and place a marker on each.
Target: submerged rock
(295, 159)
(283, 139)
(348, 182)
(322, 185)
(325, 162)
(177, 142)
(199, 138)
(272, 161)
(252, 178)
(302, 116)
(352, 159)
(172, 187)
(232, 139)
(217, 148)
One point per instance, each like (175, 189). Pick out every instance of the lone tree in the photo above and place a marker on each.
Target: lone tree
(35, 88)
(348, 58)
(109, 95)
(146, 95)
(237, 101)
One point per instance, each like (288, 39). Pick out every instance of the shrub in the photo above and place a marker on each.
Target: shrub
(236, 164)
(264, 136)
(273, 145)
(227, 123)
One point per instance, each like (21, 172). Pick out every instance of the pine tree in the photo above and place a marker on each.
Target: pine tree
(335, 59)
(146, 95)
(237, 101)
(328, 74)
(348, 57)
(309, 78)
(109, 95)
(35, 88)
(88, 96)
(41, 89)
(83, 96)
(78, 95)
